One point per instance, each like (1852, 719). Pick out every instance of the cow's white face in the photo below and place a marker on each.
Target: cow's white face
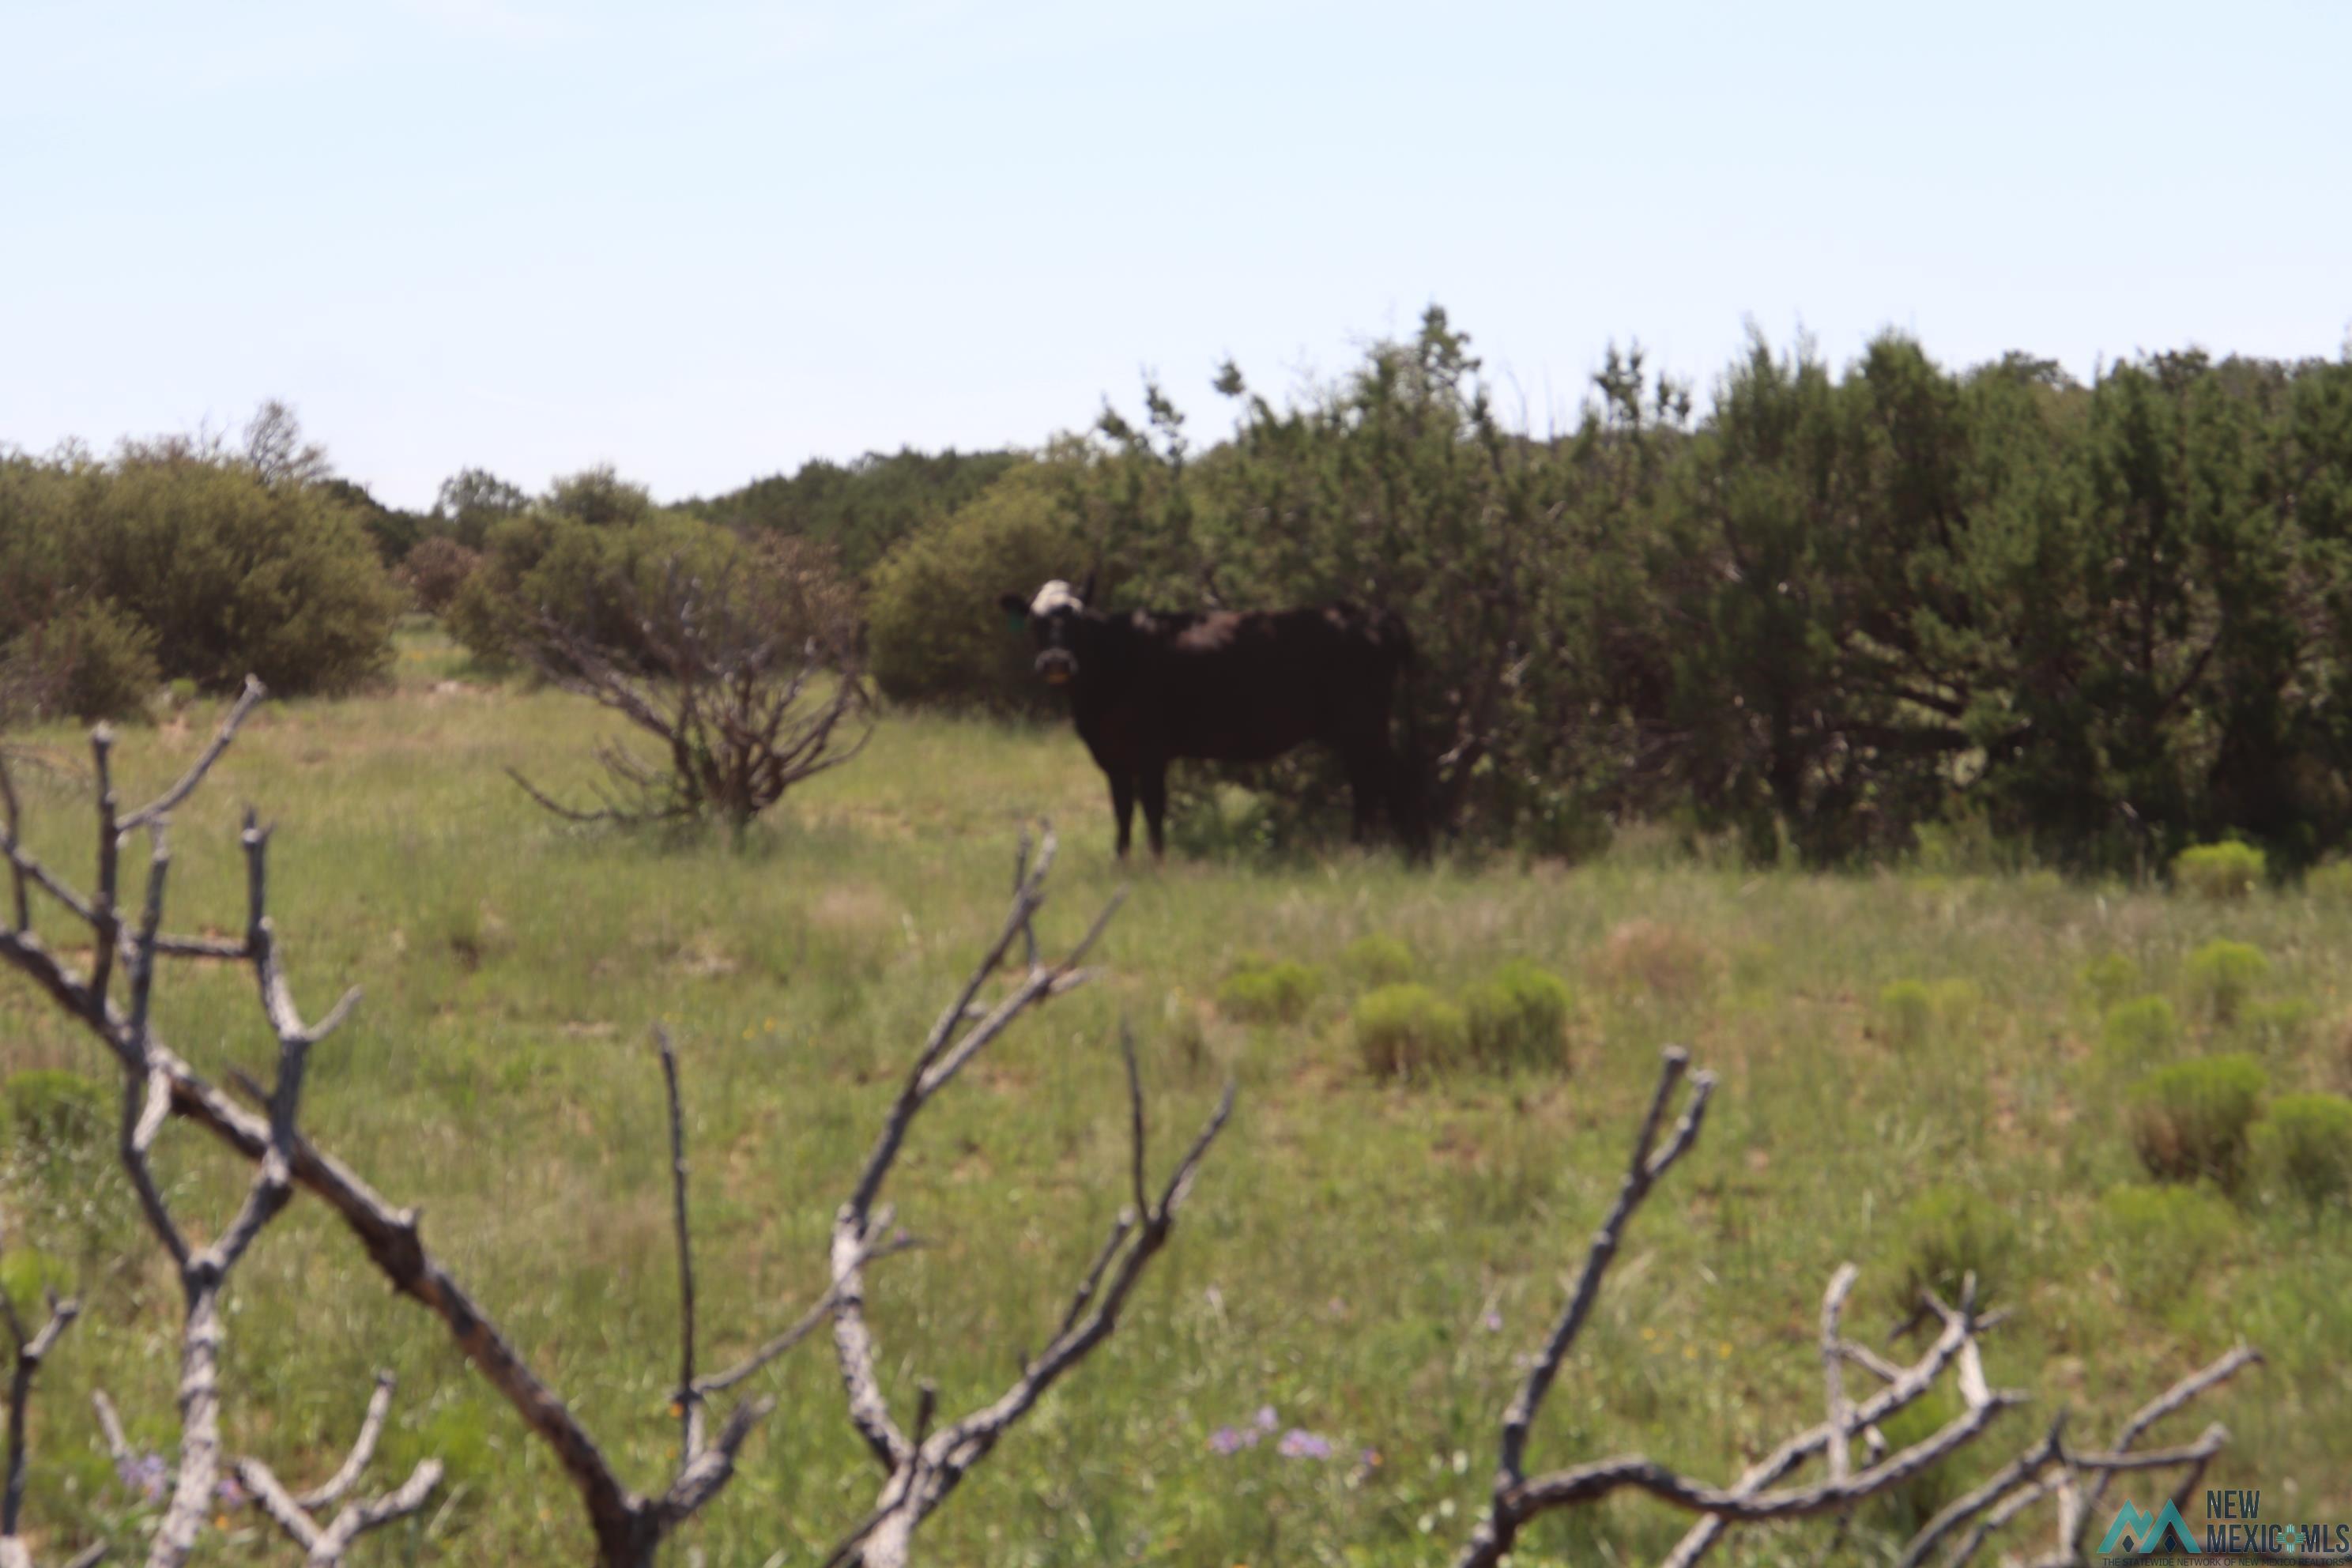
(1051, 614)
(1055, 596)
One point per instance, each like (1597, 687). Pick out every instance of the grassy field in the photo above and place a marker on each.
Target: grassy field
(1366, 1257)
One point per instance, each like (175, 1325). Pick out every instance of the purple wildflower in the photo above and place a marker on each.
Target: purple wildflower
(1233, 1439)
(145, 1473)
(231, 1492)
(1266, 1419)
(1300, 1444)
(1494, 1321)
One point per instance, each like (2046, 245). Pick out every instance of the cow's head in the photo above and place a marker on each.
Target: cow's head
(1054, 614)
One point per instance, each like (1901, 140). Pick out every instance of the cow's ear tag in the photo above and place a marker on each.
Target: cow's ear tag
(1014, 620)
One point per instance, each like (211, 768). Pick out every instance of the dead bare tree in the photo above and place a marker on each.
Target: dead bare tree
(921, 1468)
(323, 1547)
(746, 676)
(628, 1527)
(27, 1352)
(2048, 1467)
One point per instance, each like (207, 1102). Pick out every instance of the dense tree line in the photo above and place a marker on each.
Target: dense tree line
(1834, 611)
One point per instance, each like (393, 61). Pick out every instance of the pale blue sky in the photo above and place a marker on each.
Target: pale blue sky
(705, 242)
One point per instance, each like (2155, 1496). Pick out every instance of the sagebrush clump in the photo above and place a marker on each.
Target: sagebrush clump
(2224, 974)
(2303, 1147)
(1269, 991)
(1517, 1016)
(2138, 1035)
(2220, 871)
(1409, 1031)
(2191, 1119)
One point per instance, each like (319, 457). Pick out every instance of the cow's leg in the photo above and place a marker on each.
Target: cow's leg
(1153, 781)
(1122, 806)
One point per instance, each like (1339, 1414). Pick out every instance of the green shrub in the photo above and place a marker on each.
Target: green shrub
(2159, 1240)
(1379, 960)
(2109, 978)
(49, 1110)
(93, 660)
(2191, 1119)
(1948, 1233)
(234, 574)
(1906, 1012)
(2138, 1035)
(1517, 1016)
(2224, 974)
(934, 629)
(1404, 1031)
(1269, 991)
(2303, 1147)
(2219, 871)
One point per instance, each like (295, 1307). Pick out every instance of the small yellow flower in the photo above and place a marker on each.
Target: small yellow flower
(1723, 1351)
(1690, 1353)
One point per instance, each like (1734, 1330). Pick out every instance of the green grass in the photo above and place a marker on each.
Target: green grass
(1349, 1238)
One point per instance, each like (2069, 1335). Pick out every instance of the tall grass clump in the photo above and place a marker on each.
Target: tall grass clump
(1269, 991)
(2191, 1119)
(2303, 1147)
(2219, 871)
(51, 1110)
(2223, 975)
(1409, 1031)
(2159, 1240)
(1950, 1232)
(1517, 1016)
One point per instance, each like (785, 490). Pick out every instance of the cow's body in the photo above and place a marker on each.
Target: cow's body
(1148, 687)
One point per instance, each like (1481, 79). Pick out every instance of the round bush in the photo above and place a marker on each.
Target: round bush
(2191, 1119)
(2224, 974)
(2220, 871)
(1264, 991)
(49, 1110)
(1409, 1031)
(1517, 1016)
(1949, 1233)
(2303, 1146)
(932, 621)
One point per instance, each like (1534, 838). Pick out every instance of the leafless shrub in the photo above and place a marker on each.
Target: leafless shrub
(2047, 1469)
(921, 1466)
(745, 672)
(434, 570)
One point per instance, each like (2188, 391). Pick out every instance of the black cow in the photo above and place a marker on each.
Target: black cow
(1149, 686)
